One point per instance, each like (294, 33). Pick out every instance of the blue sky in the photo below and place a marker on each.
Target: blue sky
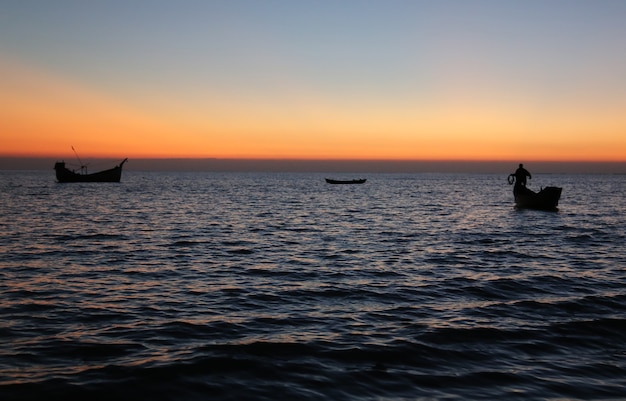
(390, 46)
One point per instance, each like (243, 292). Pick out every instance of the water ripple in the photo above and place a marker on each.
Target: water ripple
(265, 286)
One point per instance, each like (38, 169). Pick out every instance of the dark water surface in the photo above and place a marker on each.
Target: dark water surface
(185, 286)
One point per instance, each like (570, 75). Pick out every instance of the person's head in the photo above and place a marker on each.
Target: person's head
(521, 165)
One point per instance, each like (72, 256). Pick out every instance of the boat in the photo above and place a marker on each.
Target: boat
(359, 181)
(546, 199)
(66, 175)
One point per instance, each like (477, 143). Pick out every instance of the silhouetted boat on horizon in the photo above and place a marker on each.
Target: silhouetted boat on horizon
(546, 199)
(359, 181)
(66, 175)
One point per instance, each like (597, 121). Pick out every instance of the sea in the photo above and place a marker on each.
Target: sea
(278, 286)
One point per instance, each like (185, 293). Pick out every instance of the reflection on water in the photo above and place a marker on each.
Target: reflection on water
(249, 286)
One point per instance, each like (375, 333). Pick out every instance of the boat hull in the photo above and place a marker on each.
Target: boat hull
(360, 181)
(65, 175)
(546, 199)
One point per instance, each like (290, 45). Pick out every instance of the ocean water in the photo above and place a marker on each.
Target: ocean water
(255, 286)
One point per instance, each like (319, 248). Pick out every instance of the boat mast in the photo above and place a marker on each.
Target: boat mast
(83, 167)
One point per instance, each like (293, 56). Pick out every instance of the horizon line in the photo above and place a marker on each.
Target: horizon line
(325, 165)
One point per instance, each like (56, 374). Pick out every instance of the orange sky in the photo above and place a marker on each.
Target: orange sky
(44, 116)
(478, 111)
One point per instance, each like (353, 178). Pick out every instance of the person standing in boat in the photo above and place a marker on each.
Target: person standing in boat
(520, 176)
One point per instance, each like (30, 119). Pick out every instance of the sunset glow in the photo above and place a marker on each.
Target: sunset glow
(399, 80)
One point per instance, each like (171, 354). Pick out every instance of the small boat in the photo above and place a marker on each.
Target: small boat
(546, 199)
(66, 175)
(359, 181)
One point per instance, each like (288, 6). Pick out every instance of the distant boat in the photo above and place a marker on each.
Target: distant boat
(546, 199)
(359, 181)
(66, 175)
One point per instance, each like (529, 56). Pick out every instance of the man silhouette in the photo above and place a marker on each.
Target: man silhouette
(520, 175)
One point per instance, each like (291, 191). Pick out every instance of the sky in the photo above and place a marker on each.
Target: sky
(532, 80)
